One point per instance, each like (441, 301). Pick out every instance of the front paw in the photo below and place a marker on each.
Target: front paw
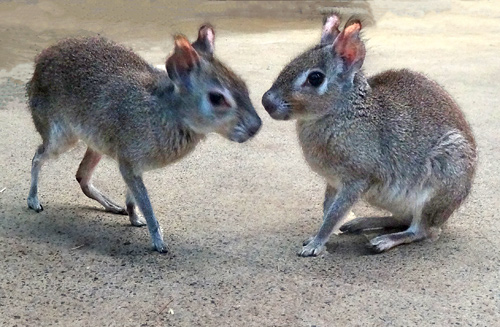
(34, 204)
(312, 249)
(158, 243)
(160, 246)
(309, 240)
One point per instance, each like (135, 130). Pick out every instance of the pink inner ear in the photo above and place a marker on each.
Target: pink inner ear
(210, 35)
(330, 30)
(350, 54)
(206, 35)
(185, 56)
(331, 23)
(351, 29)
(182, 45)
(349, 45)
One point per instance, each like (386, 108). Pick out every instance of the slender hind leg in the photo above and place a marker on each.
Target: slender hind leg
(426, 221)
(135, 219)
(417, 231)
(83, 176)
(364, 223)
(39, 158)
(57, 139)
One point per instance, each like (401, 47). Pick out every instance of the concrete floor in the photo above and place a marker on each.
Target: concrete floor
(235, 215)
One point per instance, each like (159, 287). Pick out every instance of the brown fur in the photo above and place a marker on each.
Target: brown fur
(397, 139)
(95, 90)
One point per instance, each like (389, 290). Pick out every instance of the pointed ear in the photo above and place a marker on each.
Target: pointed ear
(184, 59)
(350, 48)
(205, 42)
(330, 29)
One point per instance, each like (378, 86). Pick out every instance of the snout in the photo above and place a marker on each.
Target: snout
(275, 107)
(254, 128)
(268, 103)
(246, 129)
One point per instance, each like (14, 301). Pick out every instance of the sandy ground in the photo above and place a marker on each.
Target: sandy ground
(235, 215)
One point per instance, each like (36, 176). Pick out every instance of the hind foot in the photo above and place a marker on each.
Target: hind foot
(383, 243)
(114, 208)
(136, 220)
(93, 193)
(90, 191)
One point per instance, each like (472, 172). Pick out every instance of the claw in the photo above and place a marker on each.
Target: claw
(309, 240)
(116, 209)
(35, 205)
(381, 244)
(138, 222)
(160, 247)
(311, 250)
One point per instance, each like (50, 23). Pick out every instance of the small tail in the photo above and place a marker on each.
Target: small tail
(28, 89)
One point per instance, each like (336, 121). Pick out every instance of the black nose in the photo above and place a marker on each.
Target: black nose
(252, 130)
(268, 103)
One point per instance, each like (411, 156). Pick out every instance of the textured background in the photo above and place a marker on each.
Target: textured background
(235, 215)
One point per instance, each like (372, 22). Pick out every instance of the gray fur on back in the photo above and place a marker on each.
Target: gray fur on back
(104, 93)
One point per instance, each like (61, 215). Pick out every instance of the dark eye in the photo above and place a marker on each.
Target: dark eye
(216, 98)
(315, 78)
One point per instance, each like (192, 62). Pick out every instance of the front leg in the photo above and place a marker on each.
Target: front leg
(330, 193)
(345, 198)
(140, 195)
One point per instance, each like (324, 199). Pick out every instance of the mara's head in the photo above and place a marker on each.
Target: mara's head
(309, 85)
(215, 98)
